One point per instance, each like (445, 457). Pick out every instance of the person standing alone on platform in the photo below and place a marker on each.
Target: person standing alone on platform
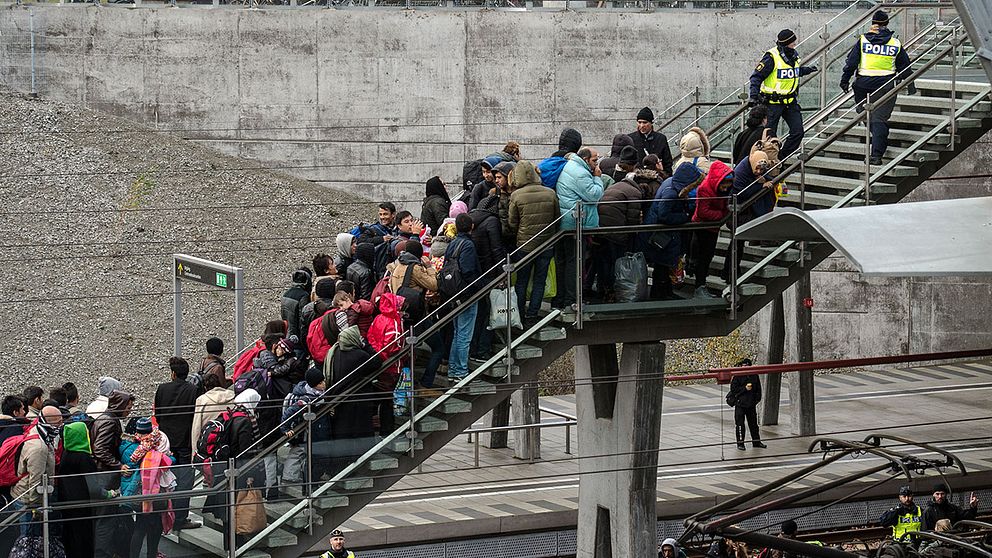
(878, 57)
(775, 82)
(744, 396)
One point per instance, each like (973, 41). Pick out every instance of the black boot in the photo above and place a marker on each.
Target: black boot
(758, 444)
(739, 433)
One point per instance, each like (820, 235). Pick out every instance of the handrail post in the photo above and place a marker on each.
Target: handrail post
(44, 513)
(802, 198)
(823, 68)
(509, 322)
(695, 99)
(309, 416)
(232, 480)
(954, 79)
(411, 399)
(568, 438)
(867, 149)
(732, 274)
(476, 450)
(578, 265)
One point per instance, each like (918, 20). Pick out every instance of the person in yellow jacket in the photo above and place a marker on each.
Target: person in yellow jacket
(880, 63)
(905, 518)
(775, 82)
(337, 547)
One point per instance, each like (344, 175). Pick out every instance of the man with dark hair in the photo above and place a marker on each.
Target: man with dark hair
(940, 508)
(105, 434)
(12, 423)
(58, 396)
(649, 141)
(175, 403)
(387, 218)
(34, 398)
(408, 227)
(905, 518)
(295, 298)
(463, 249)
(72, 397)
(213, 364)
(323, 266)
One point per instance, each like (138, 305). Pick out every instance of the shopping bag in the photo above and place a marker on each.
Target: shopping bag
(631, 278)
(249, 516)
(550, 284)
(402, 392)
(497, 309)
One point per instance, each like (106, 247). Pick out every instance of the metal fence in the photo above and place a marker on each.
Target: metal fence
(635, 5)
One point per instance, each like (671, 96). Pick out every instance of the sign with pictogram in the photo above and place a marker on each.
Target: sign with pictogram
(213, 274)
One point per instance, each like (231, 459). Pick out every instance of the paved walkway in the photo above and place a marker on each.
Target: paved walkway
(947, 404)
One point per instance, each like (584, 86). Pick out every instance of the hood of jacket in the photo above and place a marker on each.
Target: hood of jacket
(266, 360)
(878, 35)
(718, 171)
(619, 142)
(685, 175)
(694, 144)
(570, 140)
(118, 400)
(390, 304)
(76, 437)
(106, 384)
(350, 338)
(248, 399)
(406, 258)
(670, 542)
(303, 389)
(524, 174)
(343, 242)
(435, 187)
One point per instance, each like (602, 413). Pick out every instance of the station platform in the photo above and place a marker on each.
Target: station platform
(947, 405)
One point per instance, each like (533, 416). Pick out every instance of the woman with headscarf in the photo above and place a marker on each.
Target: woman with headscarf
(436, 204)
(76, 484)
(149, 455)
(346, 249)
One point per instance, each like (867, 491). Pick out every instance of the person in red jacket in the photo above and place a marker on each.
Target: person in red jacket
(711, 206)
(386, 337)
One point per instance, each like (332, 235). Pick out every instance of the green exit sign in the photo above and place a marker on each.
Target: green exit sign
(221, 280)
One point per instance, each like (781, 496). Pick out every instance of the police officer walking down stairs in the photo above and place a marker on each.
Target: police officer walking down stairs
(907, 517)
(775, 82)
(337, 547)
(881, 62)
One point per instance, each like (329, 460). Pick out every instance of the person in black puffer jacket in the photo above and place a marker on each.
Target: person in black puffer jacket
(488, 238)
(436, 204)
(744, 395)
(360, 271)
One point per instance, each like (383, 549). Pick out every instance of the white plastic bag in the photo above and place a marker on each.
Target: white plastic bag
(497, 309)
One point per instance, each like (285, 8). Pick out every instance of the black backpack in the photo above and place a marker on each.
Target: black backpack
(450, 281)
(213, 443)
(471, 174)
(413, 298)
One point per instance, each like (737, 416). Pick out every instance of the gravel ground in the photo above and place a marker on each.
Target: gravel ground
(93, 208)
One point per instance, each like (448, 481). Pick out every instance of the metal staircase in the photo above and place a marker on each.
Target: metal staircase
(952, 110)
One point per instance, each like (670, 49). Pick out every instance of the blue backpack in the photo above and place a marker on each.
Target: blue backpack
(550, 170)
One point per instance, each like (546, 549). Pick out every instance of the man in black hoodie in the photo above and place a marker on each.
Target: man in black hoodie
(744, 396)
(360, 271)
(487, 235)
(649, 141)
(881, 62)
(940, 508)
(105, 433)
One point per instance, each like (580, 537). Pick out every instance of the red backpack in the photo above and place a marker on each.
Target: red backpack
(247, 360)
(213, 443)
(10, 454)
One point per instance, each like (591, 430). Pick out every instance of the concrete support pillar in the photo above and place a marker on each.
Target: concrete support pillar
(619, 415)
(525, 407)
(803, 399)
(772, 396)
(499, 416)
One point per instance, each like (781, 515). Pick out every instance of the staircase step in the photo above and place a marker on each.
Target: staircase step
(326, 501)
(454, 405)
(858, 148)
(383, 462)
(497, 370)
(921, 101)
(480, 387)
(931, 120)
(853, 165)
(550, 333)
(788, 257)
(766, 272)
(275, 510)
(945, 85)
(838, 183)
(209, 540)
(817, 200)
(358, 483)
(402, 445)
(431, 424)
(527, 351)
(747, 289)
(895, 134)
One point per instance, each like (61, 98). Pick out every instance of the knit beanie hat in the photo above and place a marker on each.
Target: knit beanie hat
(570, 140)
(880, 17)
(785, 37)
(326, 288)
(365, 252)
(314, 376)
(143, 426)
(645, 114)
(491, 161)
(457, 208)
(619, 142)
(629, 156)
(504, 168)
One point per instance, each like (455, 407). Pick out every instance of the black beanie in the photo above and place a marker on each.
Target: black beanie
(629, 156)
(880, 17)
(414, 248)
(314, 376)
(645, 114)
(570, 140)
(785, 37)
(325, 288)
(365, 252)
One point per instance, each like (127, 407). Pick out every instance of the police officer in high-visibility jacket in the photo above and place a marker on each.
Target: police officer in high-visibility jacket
(880, 62)
(337, 547)
(775, 82)
(907, 517)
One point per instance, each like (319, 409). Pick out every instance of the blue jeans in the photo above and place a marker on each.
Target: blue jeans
(539, 267)
(27, 528)
(464, 326)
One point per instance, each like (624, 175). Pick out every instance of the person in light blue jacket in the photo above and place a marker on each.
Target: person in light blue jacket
(579, 181)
